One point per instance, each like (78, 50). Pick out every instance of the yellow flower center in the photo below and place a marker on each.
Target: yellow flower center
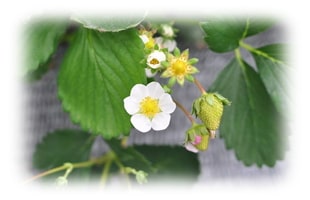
(154, 61)
(149, 107)
(151, 43)
(179, 67)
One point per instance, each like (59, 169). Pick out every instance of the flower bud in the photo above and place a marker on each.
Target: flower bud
(197, 138)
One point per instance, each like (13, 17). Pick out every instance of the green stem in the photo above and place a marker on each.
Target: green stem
(187, 114)
(105, 172)
(239, 58)
(258, 52)
(123, 170)
(67, 166)
(200, 87)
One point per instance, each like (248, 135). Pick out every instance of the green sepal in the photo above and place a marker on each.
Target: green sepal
(177, 52)
(190, 78)
(193, 61)
(165, 64)
(196, 107)
(224, 100)
(209, 99)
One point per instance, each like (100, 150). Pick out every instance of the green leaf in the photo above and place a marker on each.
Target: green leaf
(62, 146)
(171, 162)
(130, 157)
(160, 162)
(272, 69)
(97, 73)
(110, 23)
(256, 26)
(251, 125)
(223, 35)
(41, 39)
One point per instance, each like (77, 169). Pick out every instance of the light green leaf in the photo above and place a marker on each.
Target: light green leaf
(41, 38)
(223, 35)
(272, 69)
(251, 125)
(62, 146)
(110, 23)
(97, 73)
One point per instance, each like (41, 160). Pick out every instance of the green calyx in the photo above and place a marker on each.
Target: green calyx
(209, 108)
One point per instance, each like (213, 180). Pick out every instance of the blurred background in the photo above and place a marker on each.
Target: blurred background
(44, 113)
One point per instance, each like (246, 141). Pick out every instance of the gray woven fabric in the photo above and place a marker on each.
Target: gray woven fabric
(44, 114)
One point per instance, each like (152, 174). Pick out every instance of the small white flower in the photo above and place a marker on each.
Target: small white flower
(149, 73)
(155, 58)
(149, 106)
(167, 30)
(167, 43)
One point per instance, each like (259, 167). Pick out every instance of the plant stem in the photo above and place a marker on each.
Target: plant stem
(105, 172)
(187, 114)
(85, 164)
(200, 87)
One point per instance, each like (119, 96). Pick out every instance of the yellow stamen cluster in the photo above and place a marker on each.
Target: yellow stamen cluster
(149, 107)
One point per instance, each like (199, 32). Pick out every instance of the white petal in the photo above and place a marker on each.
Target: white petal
(141, 123)
(144, 38)
(191, 147)
(139, 92)
(170, 45)
(161, 121)
(131, 105)
(149, 73)
(166, 103)
(155, 90)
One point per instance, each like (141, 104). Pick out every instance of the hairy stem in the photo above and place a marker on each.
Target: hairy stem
(200, 87)
(187, 114)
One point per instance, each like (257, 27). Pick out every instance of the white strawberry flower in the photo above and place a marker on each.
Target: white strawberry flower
(170, 44)
(150, 107)
(155, 58)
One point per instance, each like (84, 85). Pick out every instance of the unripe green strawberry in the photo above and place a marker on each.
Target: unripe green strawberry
(209, 109)
(203, 145)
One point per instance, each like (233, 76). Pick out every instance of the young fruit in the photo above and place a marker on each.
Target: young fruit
(209, 109)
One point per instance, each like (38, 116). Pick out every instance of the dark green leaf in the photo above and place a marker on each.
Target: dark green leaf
(171, 162)
(97, 73)
(160, 162)
(256, 26)
(110, 23)
(251, 125)
(272, 70)
(41, 39)
(62, 146)
(223, 35)
(130, 157)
